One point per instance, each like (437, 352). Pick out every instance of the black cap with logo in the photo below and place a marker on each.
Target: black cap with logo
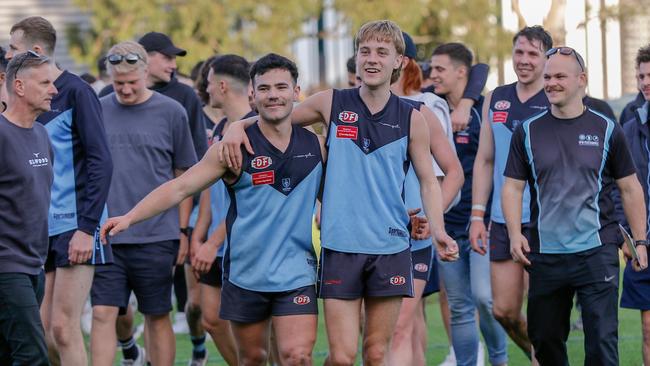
(160, 42)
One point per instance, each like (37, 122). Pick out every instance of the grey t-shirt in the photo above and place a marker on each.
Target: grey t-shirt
(147, 141)
(25, 184)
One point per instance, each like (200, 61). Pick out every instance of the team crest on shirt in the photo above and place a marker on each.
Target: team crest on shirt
(286, 184)
(348, 117)
(502, 105)
(301, 300)
(366, 144)
(261, 162)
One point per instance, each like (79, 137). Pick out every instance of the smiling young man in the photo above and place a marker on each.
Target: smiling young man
(269, 265)
(150, 139)
(503, 110)
(82, 176)
(372, 136)
(25, 182)
(572, 247)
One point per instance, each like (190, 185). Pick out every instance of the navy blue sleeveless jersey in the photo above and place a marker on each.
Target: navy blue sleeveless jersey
(269, 220)
(505, 114)
(363, 207)
(571, 166)
(82, 161)
(466, 142)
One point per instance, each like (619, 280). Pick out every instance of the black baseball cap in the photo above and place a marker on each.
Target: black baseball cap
(160, 42)
(409, 46)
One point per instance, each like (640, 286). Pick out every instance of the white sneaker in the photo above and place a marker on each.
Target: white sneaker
(480, 355)
(180, 324)
(140, 361)
(450, 360)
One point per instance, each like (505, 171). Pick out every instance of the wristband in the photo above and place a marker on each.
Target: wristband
(476, 218)
(479, 207)
(186, 231)
(640, 242)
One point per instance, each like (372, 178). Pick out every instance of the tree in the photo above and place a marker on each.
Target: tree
(250, 28)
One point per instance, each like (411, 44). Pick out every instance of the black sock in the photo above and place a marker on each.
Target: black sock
(198, 349)
(129, 348)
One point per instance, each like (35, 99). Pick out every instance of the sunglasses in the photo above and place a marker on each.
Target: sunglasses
(130, 58)
(567, 51)
(25, 56)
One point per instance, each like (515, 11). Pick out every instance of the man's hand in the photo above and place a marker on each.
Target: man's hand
(478, 237)
(114, 226)
(419, 225)
(195, 244)
(203, 259)
(183, 248)
(519, 248)
(459, 119)
(81, 247)
(446, 247)
(642, 263)
(229, 148)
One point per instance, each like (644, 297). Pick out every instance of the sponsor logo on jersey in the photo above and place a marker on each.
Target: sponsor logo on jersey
(500, 117)
(502, 105)
(347, 132)
(348, 117)
(462, 137)
(301, 300)
(261, 162)
(306, 156)
(38, 161)
(397, 280)
(397, 232)
(421, 267)
(588, 140)
(332, 282)
(261, 178)
(538, 107)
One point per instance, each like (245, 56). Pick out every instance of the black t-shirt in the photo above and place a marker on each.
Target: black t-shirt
(25, 185)
(571, 166)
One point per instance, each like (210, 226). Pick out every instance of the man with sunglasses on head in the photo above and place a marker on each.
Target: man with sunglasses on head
(82, 175)
(151, 143)
(571, 157)
(503, 110)
(25, 181)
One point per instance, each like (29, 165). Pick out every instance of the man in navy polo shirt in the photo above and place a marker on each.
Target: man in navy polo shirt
(571, 157)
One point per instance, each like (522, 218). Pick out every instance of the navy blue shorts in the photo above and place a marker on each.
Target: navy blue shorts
(246, 306)
(214, 276)
(433, 283)
(145, 269)
(57, 254)
(636, 288)
(500, 241)
(354, 276)
(422, 259)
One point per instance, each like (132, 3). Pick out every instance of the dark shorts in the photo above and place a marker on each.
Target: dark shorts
(145, 269)
(214, 276)
(422, 263)
(433, 283)
(354, 276)
(636, 288)
(246, 306)
(500, 241)
(57, 254)
(22, 338)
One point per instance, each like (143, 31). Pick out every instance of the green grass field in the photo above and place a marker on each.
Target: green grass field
(629, 342)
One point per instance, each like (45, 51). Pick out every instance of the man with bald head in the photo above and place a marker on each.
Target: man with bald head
(571, 157)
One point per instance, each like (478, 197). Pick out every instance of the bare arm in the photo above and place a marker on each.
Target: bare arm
(203, 222)
(482, 181)
(635, 212)
(511, 201)
(207, 252)
(429, 187)
(197, 178)
(445, 157)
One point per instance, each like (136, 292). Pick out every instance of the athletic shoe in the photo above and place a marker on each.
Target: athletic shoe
(199, 361)
(180, 324)
(140, 361)
(450, 360)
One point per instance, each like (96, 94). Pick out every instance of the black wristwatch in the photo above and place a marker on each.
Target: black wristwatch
(186, 230)
(640, 242)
